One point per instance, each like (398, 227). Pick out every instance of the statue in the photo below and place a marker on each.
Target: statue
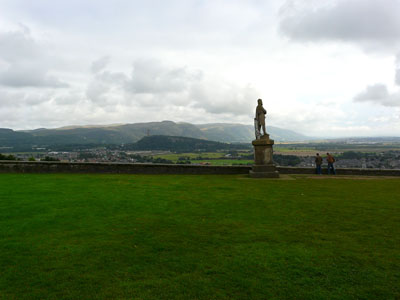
(259, 120)
(264, 166)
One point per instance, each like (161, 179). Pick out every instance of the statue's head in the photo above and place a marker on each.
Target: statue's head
(259, 101)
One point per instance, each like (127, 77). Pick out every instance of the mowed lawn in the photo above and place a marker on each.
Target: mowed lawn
(198, 237)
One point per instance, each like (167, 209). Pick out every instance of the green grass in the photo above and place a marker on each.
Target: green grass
(217, 158)
(198, 237)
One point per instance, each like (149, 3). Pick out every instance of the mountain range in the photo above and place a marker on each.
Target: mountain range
(130, 133)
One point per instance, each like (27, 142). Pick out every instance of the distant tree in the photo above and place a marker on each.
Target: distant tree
(184, 158)
(159, 160)
(31, 159)
(183, 162)
(233, 153)
(249, 156)
(287, 160)
(86, 155)
(48, 158)
(7, 157)
(351, 155)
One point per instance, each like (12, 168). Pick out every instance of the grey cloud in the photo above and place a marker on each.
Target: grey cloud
(25, 63)
(397, 74)
(17, 46)
(222, 98)
(371, 24)
(379, 94)
(69, 98)
(397, 78)
(154, 84)
(97, 92)
(23, 99)
(118, 78)
(100, 64)
(151, 76)
(18, 75)
(364, 21)
(184, 87)
(104, 86)
(8, 99)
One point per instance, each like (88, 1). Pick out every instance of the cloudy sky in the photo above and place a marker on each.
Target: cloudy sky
(323, 68)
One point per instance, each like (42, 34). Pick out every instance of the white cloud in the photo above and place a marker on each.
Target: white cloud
(150, 76)
(17, 46)
(29, 75)
(379, 94)
(20, 99)
(397, 75)
(153, 84)
(100, 64)
(370, 23)
(25, 62)
(220, 97)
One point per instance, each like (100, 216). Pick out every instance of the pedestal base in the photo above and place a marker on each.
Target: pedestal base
(274, 174)
(264, 166)
(264, 171)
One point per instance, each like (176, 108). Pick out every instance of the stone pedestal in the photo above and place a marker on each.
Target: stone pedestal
(264, 166)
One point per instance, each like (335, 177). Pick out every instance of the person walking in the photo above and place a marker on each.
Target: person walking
(318, 163)
(330, 159)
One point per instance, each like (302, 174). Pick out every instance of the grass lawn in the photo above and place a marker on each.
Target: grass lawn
(198, 237)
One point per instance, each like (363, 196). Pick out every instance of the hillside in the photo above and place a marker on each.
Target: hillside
(11, 139)
(130, 133)
(118, 134)
(180, 144)
(245, 133)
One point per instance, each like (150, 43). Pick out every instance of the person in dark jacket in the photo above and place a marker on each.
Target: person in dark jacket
(318, 163)
(330, 159)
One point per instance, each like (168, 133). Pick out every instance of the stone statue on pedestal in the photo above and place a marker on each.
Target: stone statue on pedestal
(264, 166)
(259, 120)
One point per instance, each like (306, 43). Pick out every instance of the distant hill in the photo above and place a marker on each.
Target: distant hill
(130, 133)
(115, 134)
(10, 138)
(366, 140)
(245, 133)
(181, 144)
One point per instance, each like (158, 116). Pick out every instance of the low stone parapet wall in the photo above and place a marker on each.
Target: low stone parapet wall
(342, 171)
(133, 168)
(116, 168)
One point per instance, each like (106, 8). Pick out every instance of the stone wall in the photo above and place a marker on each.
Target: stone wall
(341, 171)
(116, 168)
(125, 168)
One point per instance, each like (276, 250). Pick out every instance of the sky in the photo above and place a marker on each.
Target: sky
(323, 68)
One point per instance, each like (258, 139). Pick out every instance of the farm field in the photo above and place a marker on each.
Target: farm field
(211, 158)
(224, 162)
(175, 156)
(309, 149)
(68, 236)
